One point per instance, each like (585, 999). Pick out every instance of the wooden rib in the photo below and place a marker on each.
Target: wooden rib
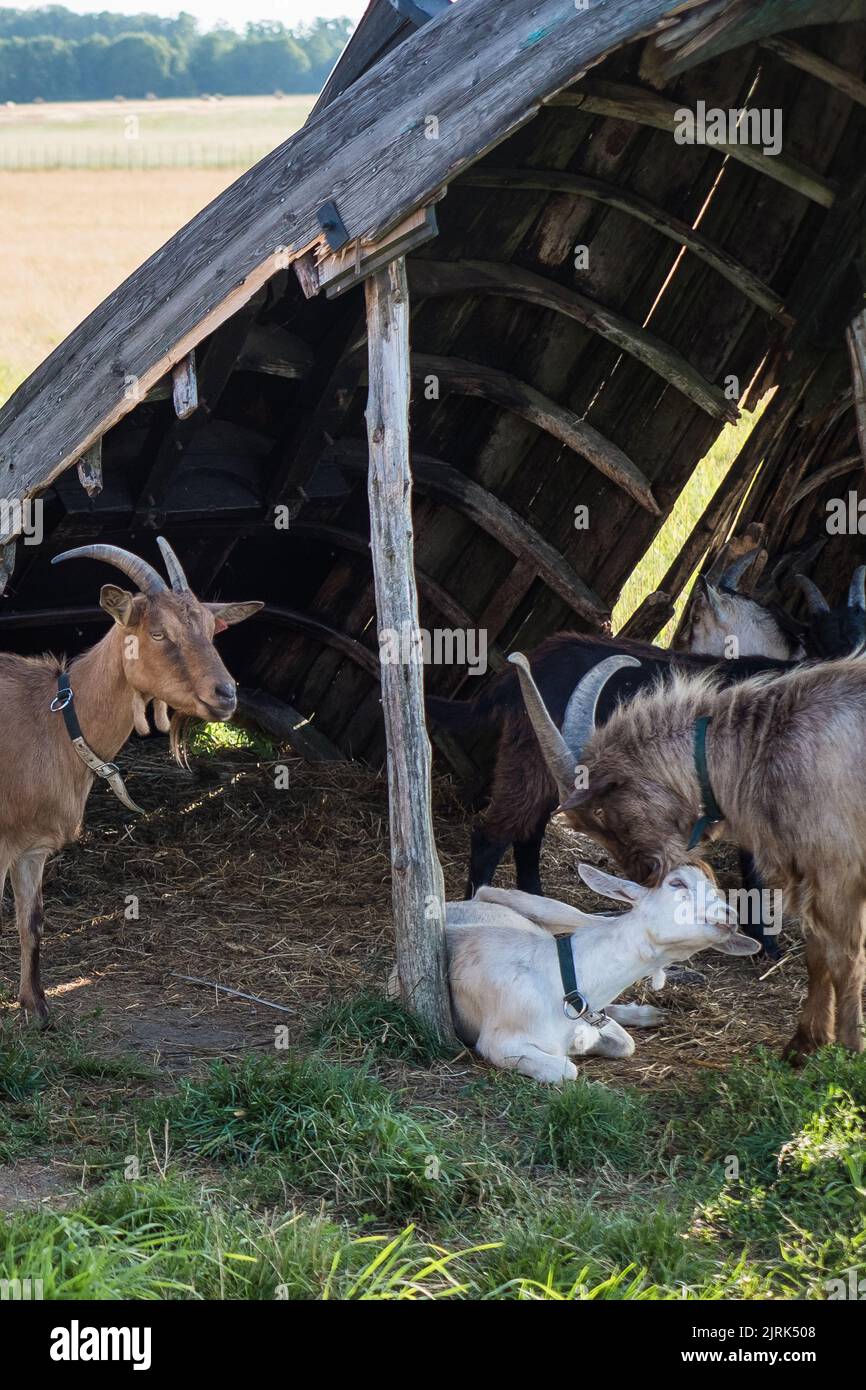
(822, 476)
(288, 725)
(359, 544)
(448, 485)
(628, 103)
(90, 469)
(508, 392)
(580, 186)
(184, 387)
(813, 63)
(430, 278)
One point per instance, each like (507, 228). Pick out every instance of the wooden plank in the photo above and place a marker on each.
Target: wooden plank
(90, 470)
(803, 58)
(580, 186)
(286, 723)
(449, 485)
(430, 278)
(370, 145)
(649, 617)
(184, 387)
(509, 393)
(7, 564)
(627, 103)
(855, 339)
(417, 882)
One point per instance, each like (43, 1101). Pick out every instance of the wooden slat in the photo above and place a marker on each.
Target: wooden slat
(855, 338)
(508, 392)
(90, 470)
(627, 103)
(184, 387)
(807, 61)
(430, 278)
(611, 194)
(716, 27)
(448, 485)
(368, 148)
(815, 480)
(649, 617)
(286, 723)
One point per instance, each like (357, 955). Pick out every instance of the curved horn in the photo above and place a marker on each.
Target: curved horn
(815, 600)
(179, 581)
(857, 592)
(553, 746)
(579, 721)
(136, 569)
(737, 568)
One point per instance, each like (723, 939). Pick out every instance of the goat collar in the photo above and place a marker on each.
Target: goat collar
(712, 812)
(572, 998)
(109, 772)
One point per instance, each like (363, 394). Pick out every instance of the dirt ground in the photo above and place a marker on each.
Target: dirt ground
(284, 894)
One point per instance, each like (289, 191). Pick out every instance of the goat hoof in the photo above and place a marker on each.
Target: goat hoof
(800, 1048)
(35, 1013)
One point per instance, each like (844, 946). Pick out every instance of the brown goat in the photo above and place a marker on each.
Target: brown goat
(786, 758)
(160, 648)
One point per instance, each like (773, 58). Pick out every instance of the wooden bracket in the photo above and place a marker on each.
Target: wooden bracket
(184, 387)
(420, 11)
(359, 259)
(90, 469)
(332, 225)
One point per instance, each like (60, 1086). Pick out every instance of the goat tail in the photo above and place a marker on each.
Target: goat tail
(462, 716)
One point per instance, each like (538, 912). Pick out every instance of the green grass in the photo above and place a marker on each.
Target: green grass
(297, 1177)
(209, 739)
(369, 1025)
(689, 506)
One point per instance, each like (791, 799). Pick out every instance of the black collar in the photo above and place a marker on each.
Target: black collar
(712, 811)
(109, 772)
(575, 1005)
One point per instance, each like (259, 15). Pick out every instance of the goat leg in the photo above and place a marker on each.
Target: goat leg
(816, 1026)
(527, 863)
(758, 926)
(27, 887)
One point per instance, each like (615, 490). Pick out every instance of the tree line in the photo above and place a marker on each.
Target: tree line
(51, 54)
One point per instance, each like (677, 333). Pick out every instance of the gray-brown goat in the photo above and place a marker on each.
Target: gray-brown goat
(786, 760)
(160, 647)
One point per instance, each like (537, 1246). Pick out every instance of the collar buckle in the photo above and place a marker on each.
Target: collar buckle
(61, 701)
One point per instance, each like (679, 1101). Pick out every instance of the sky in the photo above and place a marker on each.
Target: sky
(210, 12)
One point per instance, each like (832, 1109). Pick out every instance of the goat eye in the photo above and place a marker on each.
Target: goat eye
(599, 813)
(158, 636)
(677, 883)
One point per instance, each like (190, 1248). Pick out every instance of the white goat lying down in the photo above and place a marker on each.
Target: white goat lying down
(508, 989)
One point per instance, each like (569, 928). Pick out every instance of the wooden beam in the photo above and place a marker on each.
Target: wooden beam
(509, 393)
(417, 882)
(627, 103)
(580, 186)
(713, 28)
(855, 338)
(446, 484)
(7, 564)
(370, 147)
(432, 278)
(269, 349)
(649, 617)
(807, 61)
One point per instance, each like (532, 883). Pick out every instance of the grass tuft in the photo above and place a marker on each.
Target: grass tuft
(373, 1026)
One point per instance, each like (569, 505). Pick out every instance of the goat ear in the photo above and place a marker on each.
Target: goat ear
(117, 602)
(714, 599)
(622, 890)
(587, 796)
(736, 944)
(227, 614)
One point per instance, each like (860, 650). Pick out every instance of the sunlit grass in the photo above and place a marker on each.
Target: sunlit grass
(689, 506)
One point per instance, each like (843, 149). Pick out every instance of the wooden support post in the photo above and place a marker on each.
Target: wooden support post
(418, 887)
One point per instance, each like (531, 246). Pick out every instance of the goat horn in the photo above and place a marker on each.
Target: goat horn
(735, 571)
(553, 746)
(815, 600)
(136, 569)
(179, 581)
(579, 722)
(857, 592)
